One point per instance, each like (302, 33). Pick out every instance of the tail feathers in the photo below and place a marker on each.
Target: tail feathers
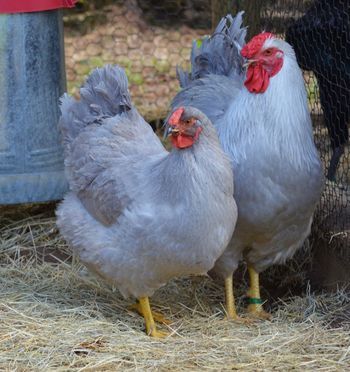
(218, 54)
(104, 94)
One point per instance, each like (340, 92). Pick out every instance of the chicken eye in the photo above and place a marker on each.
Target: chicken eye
(267, 52)
(188, 121)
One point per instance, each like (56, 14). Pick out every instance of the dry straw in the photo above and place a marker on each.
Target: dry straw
(56, 317)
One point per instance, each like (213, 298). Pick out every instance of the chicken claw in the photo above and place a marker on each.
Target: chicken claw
(255, 308)
(240, 320)
(143, 307)
(258, 312)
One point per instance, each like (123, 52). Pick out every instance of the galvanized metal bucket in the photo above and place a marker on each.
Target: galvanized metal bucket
(32, 78)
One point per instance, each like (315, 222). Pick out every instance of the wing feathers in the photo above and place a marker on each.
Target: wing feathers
(103, 136)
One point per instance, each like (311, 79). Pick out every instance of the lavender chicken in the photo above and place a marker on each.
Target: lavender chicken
(136, 214)
(254, 95)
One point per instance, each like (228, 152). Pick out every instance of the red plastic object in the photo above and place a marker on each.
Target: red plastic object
(24, 6)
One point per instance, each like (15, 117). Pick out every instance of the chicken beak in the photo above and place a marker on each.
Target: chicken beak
(172, 131)
(248, 62)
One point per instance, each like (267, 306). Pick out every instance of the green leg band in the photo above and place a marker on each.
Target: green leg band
(253, 300)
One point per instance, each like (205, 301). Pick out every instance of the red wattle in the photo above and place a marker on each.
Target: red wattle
(257, 79)
(182, 141)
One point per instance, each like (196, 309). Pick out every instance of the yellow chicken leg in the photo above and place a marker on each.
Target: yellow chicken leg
(230, 302)
(146, 312)
(158, 317)
(255, 307)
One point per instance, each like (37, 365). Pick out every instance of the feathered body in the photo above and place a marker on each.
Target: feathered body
(268, 136)
(138, 215)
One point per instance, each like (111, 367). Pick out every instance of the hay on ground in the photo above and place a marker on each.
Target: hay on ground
(56, 316)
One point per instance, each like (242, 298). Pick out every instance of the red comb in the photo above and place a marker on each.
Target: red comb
(255, 44)
(175, 116)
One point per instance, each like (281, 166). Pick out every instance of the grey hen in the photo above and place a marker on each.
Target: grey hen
(136, 214)
(262, 118)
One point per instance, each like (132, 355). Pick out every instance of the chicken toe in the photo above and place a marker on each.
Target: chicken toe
(146, 312)
(257, 312)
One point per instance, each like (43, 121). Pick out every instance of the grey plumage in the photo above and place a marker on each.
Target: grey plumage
(217, 54)
(217, 71)
(138, 215)
(278, 173)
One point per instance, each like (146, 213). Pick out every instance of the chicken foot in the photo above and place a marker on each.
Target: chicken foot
(144, 309)
(255, 308)
(231, 312)
(158, 317)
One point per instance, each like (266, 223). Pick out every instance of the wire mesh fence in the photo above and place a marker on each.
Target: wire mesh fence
(149, 38)
(319, 31)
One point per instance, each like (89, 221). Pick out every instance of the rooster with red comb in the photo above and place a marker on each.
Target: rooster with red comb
(255, 96)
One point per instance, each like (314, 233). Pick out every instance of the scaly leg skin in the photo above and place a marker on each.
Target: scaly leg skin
(146, 311)
(255, 308)
(230, 303)
(158, 317)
